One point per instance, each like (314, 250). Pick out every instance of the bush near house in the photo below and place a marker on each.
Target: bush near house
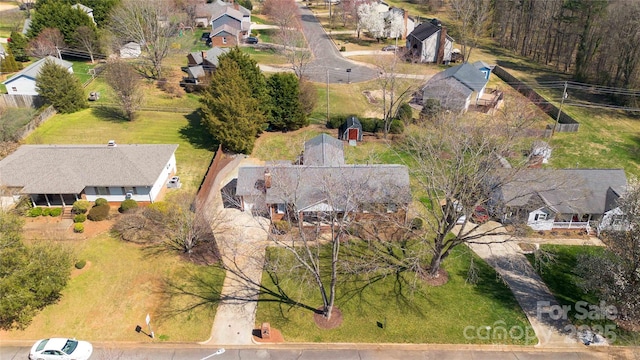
(127, 205)
(81, 207)
(101, 201)
(80, 218)
(78, 227)
(55, 211)
(34, 212)
(81, 263)
(99, 212)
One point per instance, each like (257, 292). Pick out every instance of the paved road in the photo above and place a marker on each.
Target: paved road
(338, 352)
(328, 62)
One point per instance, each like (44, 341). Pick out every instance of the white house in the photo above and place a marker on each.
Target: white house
(430, 43)
(24, 82)
(58, 175)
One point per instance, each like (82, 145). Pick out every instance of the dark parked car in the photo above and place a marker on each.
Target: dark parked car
(252, 40)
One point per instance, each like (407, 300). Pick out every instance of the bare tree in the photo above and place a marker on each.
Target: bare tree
(457, 166)
(395, 91)
(473, 16)
(126, 83)
(88, 39)
(47, 43)
(149, 24)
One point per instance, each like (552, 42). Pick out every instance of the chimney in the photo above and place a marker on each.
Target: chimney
(267, 179)
(441, 44)
(406, 22)
(236, 5)
(204, 54)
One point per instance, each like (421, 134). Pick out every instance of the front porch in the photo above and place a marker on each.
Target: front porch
(489, 102)
(55, 200)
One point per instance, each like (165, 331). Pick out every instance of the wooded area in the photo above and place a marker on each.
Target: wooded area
(598, 41)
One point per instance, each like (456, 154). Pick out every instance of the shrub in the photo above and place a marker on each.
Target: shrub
(34, 212)
(80, 218)
(417, 224)
(81, 206)
(370, 124)
(81, 263)
(335, 122)
(98, 213)
(46, 211)
(342, 48)
(281, 226)
(127, 205)
(396, 127)
(78, 227)
(405, 113)
(55, 212)
(101, 201)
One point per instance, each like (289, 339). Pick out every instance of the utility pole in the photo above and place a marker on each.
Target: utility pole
(328, 92)
(564, 96)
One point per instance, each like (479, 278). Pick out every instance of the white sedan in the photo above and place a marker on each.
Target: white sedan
(60, 349)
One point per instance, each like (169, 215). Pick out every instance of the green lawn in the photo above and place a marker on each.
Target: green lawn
(560, 277)
(97, 126)
(386, 311)
(11, 21)
(120, 284)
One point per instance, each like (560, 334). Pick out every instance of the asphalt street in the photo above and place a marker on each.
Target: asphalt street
(328, 64)
(346, 352)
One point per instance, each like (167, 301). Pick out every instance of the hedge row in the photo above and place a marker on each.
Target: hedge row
(370, 125)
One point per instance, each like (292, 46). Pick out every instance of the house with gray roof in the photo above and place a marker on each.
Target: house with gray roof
(204, 11)
(85, 9)
(547, 199)
(24, 82)
(430, 43)
(202, 63)
(229, 25)
(58, 175)
(456, 87)
(323, 183)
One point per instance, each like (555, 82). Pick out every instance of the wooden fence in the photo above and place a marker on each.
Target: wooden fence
(565, 123)
(219, 161)
(45, 115)
(21, 101)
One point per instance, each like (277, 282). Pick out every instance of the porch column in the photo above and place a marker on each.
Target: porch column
(62, 199)
(47, 198)
(33, 202)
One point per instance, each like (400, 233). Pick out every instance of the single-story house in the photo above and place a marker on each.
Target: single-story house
(455, 88)
(323, 184)
(58, 175)
(130, 50)
(351, 129)
(202, 63)
(429, 43)
(547, 199)
(24, 82)
(85, 9)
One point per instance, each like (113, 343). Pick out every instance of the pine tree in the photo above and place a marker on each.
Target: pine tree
(286, 111)
(233, 118)
(60, 88)
(18, 46)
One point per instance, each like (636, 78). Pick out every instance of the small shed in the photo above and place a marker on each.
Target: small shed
(351, 129)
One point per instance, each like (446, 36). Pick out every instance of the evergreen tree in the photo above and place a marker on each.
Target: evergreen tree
(58, 15)
(18, 46)
(286, 112)
(8, 64)
(250, 71)
(60, 88)
(233, 118)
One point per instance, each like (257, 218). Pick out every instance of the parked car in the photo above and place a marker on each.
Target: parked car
(480, 214)
(390, 48)
(252, 40)
(60, 348)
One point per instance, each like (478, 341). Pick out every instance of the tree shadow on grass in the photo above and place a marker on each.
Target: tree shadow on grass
(108, 113)
(197, 134)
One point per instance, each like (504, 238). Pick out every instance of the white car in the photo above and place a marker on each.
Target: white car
(59, 349)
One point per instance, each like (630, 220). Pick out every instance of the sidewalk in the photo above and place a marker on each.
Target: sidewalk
(530, 291)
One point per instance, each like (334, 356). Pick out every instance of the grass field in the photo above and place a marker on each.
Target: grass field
(97, 126)
(113, 293)
(560, 277)
(10, 20)
(387, 312)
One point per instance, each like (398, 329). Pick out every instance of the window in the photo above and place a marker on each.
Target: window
(102, 191)
(280, 209)
(541, 217)
(224, 40)
(14, 89)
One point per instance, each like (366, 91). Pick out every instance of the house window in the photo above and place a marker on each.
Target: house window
(224, 40)
(280, 208)
(14, 89)
(541, 217)
(103, 191)
(617, 220)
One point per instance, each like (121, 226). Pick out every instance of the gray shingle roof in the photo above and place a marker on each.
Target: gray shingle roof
(466, 74)
(211, 55)
(567, 191)
(324, 150)
(225, 28)
(33, 70)
(424, 31)
(68, 169)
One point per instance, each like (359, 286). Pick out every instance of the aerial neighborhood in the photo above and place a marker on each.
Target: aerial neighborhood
(225, 178)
